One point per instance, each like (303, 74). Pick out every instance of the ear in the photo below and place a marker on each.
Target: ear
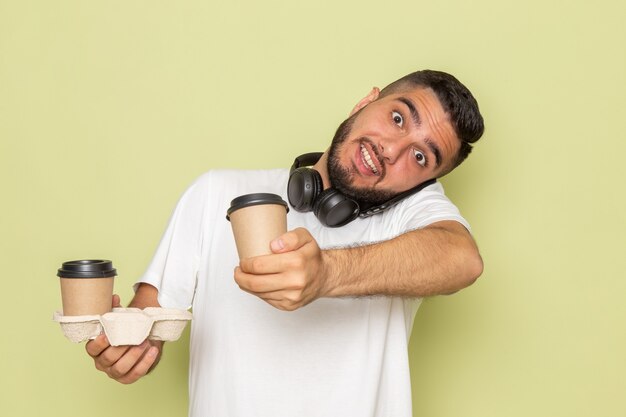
(373, 95)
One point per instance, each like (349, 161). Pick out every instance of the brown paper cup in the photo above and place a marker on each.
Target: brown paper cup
(256, 220)
(86, 287)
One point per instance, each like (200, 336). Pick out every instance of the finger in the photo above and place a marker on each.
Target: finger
(110, 355)
(128, 360)
(267, 296)
(260, 283)
(290, 241)
(96, 346)
(259, 265)
(282, 295)
(284, 305)
(287, 297)
(116, 301)
(271, 264)
(142, 367)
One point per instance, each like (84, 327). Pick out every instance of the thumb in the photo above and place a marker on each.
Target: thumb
(278, 245)
(291, 241)
(116, 301)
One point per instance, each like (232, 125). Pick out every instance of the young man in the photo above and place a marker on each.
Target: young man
(321, 326)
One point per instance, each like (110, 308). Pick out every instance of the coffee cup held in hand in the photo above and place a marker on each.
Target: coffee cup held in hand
(256, 220)
(86, 286)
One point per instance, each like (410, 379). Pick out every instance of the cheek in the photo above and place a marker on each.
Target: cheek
(371, 123)
(401, 177)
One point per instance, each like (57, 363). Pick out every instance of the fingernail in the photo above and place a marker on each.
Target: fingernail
(278, 244)
(153, 351)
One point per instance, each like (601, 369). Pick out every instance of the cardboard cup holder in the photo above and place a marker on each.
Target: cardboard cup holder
(126, 326)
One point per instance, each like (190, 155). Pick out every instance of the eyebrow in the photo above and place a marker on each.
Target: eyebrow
(414, 114)
(418, 121)
(435, 150)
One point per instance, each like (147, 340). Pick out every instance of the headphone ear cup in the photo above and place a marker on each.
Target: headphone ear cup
(333, 209)
(304, 185)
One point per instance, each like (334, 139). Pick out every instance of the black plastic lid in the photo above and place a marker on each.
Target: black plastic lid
(87, 268)
(255, 199)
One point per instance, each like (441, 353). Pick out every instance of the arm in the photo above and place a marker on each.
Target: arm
(439, 259)
(126, 364)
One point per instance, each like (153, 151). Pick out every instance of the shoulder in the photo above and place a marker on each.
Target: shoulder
(229, 183)
(235, 176)
(431, 193)
(428, 206)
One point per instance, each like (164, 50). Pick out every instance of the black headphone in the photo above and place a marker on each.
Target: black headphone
(305, 192)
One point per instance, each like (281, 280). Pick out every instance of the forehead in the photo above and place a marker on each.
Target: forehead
(426, 102)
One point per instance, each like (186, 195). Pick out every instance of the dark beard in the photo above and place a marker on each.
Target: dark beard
(341, 177)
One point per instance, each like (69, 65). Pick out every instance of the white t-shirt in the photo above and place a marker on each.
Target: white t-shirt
(333, 357)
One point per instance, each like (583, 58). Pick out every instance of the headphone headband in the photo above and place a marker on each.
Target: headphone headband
(374, 209)
(306, 160)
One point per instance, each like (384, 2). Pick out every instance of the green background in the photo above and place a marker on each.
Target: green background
(108, 110)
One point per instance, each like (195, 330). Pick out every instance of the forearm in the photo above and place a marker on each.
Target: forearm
(439, 259)
(145, 296)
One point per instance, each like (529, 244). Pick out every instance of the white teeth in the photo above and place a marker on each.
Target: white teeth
(367, 159)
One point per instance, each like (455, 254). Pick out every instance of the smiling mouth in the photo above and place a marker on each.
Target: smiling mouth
(367, 160)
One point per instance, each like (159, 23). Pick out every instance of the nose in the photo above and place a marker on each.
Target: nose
(392, 148)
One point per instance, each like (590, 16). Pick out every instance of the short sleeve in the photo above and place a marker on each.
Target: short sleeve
(426, 207)
(174, 268)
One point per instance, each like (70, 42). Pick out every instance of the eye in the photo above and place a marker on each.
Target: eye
(397, 118)
(420, 157)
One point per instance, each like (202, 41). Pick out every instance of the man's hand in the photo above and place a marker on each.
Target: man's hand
(290, 278)
(125, 364)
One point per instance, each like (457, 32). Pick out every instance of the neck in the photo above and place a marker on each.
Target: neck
(321, 166)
